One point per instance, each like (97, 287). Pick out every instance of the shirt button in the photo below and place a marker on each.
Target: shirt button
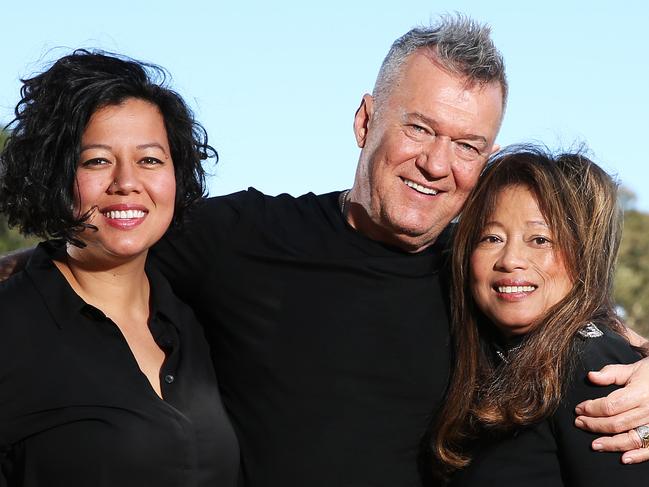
(169, 378)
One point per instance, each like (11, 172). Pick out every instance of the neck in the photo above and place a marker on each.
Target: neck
(116, 289)
(360, 219)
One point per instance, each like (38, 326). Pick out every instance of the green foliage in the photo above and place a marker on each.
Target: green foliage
(632, 277)
(10, 239)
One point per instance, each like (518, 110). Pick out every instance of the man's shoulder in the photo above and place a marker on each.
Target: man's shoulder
(253, 204)
(253, 196)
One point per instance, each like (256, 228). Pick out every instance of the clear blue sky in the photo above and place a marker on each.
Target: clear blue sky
(276, 83)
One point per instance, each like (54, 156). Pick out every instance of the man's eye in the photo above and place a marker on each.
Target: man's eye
(418, 129)
(468, 147)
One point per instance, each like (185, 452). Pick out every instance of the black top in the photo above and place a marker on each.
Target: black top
(555, 452)
(75, 409)
(331, 349)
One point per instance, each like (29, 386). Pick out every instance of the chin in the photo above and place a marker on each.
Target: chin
(513, 329)
(125, 251)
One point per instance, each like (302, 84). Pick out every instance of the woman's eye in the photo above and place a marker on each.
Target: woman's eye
(97, 161)
(543, 241)
(150, 161)
(489, 239)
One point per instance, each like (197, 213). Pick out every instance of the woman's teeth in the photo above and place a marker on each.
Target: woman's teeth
(124, 214)
(515, 289)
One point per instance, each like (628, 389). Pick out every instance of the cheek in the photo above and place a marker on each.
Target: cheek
(466, 175)
(394, 150)
(163, 189)
(479, 275)
(85, 192)
(555, 277)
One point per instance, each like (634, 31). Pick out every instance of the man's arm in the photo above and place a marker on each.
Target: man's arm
(14, 262)
(622, 410)
(580, 465)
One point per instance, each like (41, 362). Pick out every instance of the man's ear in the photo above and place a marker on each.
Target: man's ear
(362, 119)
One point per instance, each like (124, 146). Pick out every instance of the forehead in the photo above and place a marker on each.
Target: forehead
(424, 86)
(517, 204)
(132, 118)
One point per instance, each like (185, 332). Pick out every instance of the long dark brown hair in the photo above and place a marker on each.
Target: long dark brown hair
(579, 202)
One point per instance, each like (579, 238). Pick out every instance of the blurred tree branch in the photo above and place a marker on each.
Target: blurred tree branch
(632, 276)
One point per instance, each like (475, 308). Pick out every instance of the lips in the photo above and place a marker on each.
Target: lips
(124, 216)
(420, 188)
(511, 290)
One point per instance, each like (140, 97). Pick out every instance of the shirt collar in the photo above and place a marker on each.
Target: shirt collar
(65, 305)
(62, 302)
(162, 300)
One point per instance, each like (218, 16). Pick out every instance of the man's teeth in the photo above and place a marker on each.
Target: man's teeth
(419, 187)
(124, 214)
(515, 289)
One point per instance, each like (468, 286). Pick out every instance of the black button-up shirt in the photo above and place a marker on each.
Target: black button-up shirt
(75, 409)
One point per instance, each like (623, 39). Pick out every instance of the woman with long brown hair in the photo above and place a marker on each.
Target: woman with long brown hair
(533, 266)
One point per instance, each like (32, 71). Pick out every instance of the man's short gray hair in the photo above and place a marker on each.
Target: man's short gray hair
(460, 45)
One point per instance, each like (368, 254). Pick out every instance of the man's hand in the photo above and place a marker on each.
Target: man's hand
(620, 411)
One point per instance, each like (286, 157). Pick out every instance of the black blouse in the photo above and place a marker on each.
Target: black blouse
(555, 452)
(75, 409)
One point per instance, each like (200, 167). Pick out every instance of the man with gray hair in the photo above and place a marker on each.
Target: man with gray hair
(325, 313)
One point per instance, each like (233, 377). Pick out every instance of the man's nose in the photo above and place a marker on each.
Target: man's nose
(436, 158)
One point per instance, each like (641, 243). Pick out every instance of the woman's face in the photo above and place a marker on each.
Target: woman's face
(517, 271)
(126, 174)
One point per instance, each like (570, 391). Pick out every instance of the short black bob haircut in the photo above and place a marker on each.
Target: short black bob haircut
(38, 164)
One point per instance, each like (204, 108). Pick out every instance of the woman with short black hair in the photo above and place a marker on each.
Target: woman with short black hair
(106, 375)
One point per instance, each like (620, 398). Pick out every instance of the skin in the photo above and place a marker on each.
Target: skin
(375, 200)
(432, 129)
(379, 207)
(516, 248)
(516, 252)
(125, 165)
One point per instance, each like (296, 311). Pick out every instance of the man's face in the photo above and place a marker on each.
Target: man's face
(422, 152)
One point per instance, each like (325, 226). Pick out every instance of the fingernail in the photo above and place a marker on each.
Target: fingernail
(579, 423)
(597, 446)
(579, 410)
(627, 460)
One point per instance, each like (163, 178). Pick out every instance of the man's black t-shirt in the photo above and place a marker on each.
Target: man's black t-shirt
(331, 349)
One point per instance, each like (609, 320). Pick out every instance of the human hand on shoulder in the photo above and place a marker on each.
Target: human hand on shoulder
(620, 412)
